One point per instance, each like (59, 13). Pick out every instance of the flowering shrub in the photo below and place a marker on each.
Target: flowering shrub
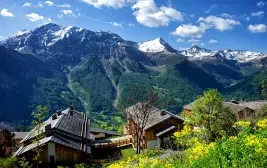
(262, 124)
(247, 149)
(141, 161)
(242, 124)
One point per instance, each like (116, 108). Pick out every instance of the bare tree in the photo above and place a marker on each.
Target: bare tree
(142, 101)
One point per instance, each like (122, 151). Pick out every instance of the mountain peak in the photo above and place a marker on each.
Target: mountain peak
(155, 45)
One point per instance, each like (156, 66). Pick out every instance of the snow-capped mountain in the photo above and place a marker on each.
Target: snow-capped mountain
(238, 55)
(67, 40)
(156, 45)
(197, 52)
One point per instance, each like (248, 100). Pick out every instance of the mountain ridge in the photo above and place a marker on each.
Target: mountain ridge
(95, 71)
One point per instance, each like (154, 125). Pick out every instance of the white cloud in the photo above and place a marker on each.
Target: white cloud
(247, 18)
(172, 13)
(64, 6)
(34, 17)
(27, 4)
(59, 16)
(219, 23)
(228, 16)
(49, 20)
(67, 12)
(199, 44)
(49, 3)
(211, 8)
(5, 12)
(212, 41)
(148, 14)
(261, 4)
(193, 41)
(131, 25)
(40, 5)
(192, 15)
(260, 28)
(259, 13)
(180, 40)
(115, 24)
(188, 30)
(107, 3)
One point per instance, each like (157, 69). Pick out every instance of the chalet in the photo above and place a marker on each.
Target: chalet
(160, 126)
(19, 136)
(242, 110)
(66, 139)
(6, 139)
(100, 133)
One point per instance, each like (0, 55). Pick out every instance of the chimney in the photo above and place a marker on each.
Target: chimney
(54, 116)
(48, 129)
(162, 112)
(71, 107)
(71, 113)
(59, 112)
(234, 102)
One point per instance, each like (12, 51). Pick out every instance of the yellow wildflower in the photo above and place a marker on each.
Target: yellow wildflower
(232, 138)
(262, 124)
(243, 124)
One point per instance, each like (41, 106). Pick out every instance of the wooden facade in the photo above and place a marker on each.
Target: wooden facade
(66, 137)
(242, 111)
(160, 124)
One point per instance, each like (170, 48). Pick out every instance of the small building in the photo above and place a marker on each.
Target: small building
(66, 139)
(160, 126)
(6, 139)
(100, 133)
(242, 110)
(19, 136)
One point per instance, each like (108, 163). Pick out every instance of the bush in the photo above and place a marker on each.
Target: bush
(11, 162)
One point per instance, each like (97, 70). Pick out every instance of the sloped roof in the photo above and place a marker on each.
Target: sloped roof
(56, 139)
(5, 126)
(165, 131)
(20, 135)
(101, 130)
(189, 106)
(156, 116)
(64, 122)
(255, 105)
(234, 107)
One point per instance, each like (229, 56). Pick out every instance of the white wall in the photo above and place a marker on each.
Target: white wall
(151, 144)
(51, 150)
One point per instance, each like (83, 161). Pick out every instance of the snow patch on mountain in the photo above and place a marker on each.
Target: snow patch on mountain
(156, 45)
(198, 52)
(59, 35)
(239, 55)
(21, 32)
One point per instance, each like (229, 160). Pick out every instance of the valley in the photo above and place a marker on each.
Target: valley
(59, 66)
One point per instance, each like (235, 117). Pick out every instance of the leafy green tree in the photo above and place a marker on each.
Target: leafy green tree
(209, 114)
(37, 122)
(24, 163)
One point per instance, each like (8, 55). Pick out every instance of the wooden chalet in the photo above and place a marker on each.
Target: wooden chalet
(242, 110)
(6, 139)
(160, 126)
(66, 139)
(19, 136)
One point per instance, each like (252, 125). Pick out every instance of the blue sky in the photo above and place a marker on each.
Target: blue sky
(214, 24)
